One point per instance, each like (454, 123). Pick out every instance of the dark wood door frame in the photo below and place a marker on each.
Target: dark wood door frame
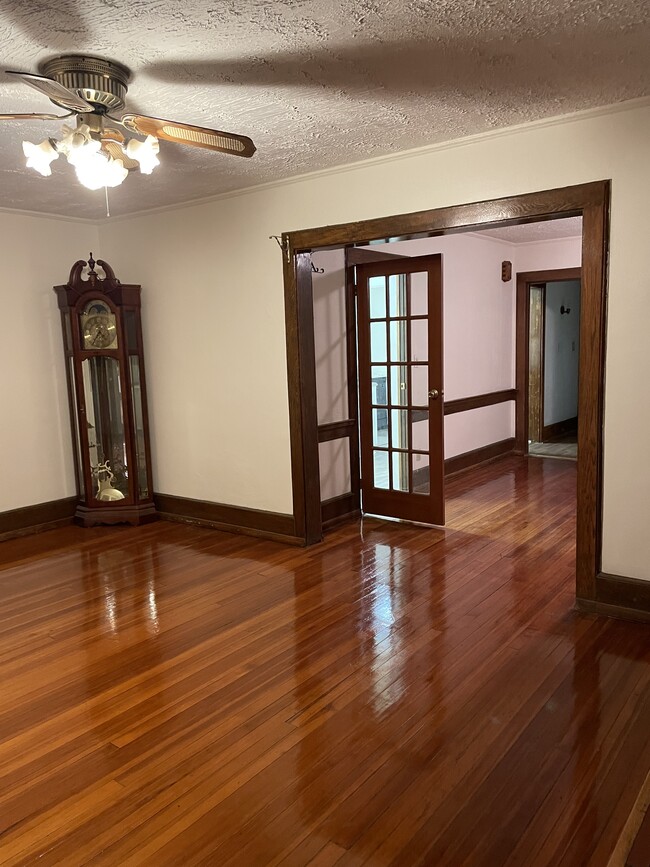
(591, 201)
(526, 279)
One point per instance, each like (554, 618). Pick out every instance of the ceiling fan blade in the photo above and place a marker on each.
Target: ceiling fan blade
(54, 91)
(34, 116)
(187, 134)
(109, 132)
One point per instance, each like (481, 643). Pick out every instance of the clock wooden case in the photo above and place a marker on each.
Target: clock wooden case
(102, 339)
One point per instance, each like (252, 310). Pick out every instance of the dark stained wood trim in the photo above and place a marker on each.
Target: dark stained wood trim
(361, 256)
(623, 592)
(479, 456)
(234, 519)
(530, 207)
(620, 612)
(35, 519)
(337, 510)
(301, 374)
(463, 404)
(135, 514)
(591, 200)
(593, 312)
(353, 380)
(524, 280)
(336, 430)
(559, 428)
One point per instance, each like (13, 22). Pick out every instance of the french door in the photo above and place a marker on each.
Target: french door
(401, 409)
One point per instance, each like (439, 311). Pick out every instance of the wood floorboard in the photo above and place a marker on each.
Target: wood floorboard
(397, 695)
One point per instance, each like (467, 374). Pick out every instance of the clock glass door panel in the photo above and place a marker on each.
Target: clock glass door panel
(105, 423)
(138, 427)
(77, 437)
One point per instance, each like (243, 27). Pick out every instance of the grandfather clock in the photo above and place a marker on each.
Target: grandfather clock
(102, 338)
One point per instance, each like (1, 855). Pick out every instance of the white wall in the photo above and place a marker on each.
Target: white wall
(214, 318)
(561, 351)
(36, 253)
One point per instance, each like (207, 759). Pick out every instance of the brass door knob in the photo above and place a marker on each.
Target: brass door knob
(434, 394)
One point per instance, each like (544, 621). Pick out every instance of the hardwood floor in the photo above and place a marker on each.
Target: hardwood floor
(395, 696)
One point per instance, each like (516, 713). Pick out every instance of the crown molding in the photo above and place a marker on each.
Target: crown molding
(466, 141)
(535, 242)
(46, 215)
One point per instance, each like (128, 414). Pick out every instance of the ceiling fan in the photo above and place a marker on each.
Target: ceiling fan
(94, 90)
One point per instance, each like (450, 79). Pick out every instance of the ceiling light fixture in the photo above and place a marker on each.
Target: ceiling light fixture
(99, 160)
(94, 90)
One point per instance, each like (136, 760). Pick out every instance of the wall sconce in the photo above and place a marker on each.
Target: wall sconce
(564, 310)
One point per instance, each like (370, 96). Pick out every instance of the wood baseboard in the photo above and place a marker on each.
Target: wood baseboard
(630, 594)
(620, 612)
(479, 456)
(338, 510)
(37, 518)
(233, 519)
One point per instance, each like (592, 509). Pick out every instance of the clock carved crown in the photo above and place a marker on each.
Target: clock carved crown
(80, 284)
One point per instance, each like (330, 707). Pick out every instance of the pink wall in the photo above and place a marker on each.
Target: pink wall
(478, 311)
(330, 336)
(544, 255)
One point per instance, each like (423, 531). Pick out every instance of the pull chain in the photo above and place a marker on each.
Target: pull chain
(108, 210)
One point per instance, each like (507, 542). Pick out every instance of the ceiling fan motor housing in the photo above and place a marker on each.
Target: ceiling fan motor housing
(103, 83)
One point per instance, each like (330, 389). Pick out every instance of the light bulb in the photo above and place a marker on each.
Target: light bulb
(80, 153)
(95, 170)
(40, 156)
(145, 153)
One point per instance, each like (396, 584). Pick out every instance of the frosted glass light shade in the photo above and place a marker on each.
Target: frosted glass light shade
(40, 156)
(144, 152)
(94, 170)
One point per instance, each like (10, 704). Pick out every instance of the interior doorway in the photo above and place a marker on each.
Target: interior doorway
(473, 420)
(548, 351)
(590, 201)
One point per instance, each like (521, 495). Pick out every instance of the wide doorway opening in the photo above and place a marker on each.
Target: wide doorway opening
(475, 398)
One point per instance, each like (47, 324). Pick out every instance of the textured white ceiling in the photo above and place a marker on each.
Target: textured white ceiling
(315, 83)
(549, 230)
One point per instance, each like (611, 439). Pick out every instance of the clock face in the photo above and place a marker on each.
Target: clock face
(99, 331)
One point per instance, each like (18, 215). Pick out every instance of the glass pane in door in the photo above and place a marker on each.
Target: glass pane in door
(400, 471)
(400, 349)
(421, 477)
(378, 349)
(418, 293)
(377, 293)
(398, 385)
(398, 338)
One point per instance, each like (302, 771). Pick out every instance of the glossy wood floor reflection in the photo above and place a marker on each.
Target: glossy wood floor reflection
(395, 696)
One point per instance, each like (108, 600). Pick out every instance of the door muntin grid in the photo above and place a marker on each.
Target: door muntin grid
(399, 375)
